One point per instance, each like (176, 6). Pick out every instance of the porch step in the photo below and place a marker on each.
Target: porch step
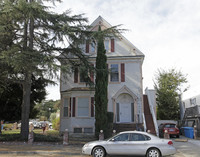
(127, 127)
(148, 116)
(81, 139)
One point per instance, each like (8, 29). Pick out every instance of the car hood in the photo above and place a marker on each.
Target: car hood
(96, 142)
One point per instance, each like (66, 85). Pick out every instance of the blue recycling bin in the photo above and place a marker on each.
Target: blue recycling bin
(189, 132)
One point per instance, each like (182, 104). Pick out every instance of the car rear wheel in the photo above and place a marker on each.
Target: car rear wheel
(98, 152)
(153, 152)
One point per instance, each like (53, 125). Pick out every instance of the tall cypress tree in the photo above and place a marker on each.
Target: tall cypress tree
(101, 86)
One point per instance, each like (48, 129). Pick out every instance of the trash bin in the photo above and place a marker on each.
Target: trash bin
(189, 132)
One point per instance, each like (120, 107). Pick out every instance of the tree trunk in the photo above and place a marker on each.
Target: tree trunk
(27, 85)
(26, 107)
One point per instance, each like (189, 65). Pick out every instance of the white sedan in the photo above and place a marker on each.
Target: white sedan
(130, 143)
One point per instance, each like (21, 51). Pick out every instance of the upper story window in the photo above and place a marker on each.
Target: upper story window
(107, 45)
(82, 75)
(193, 101)
(114, 75)
(91, 47)
(117, 74)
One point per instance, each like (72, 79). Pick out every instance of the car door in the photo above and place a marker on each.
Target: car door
(138, 144)
(118, 144)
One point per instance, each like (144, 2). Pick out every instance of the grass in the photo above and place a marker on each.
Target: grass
(14, 135)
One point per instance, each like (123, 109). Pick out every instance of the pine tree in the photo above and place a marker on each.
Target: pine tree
(101, 86)
(29, 37)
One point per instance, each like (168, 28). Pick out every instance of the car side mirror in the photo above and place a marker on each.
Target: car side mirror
(112, 140)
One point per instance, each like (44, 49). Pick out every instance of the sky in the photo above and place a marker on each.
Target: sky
(166, 31)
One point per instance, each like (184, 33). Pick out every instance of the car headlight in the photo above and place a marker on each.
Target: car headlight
(87, 145)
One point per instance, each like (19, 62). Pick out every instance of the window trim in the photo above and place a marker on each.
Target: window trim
(89, 108)
(119, 73)
(89, 46)
(67, 99)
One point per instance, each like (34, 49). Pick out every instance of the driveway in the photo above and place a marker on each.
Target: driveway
(191, 148)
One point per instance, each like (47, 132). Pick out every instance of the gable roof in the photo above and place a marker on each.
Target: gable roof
(104, 24)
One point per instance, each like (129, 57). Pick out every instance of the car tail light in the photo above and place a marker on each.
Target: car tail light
(177, 130)
(170, 143)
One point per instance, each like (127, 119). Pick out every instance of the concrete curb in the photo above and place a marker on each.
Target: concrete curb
(181, 140)
(37, 153)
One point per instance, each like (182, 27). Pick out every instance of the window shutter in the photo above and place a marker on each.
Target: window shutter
(87, 46)
(117, 112)
(70, 106)
(92, 74)
(132, 111)
(74, 107)
(112, 45)
(92, 106)
(122, 72)
(76, 75)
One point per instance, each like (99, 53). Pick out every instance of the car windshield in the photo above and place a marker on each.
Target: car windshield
(170, 126)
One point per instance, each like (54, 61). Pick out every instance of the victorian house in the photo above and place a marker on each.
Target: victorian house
(125, 88)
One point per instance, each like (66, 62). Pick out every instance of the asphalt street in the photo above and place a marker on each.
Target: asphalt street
(189, 148)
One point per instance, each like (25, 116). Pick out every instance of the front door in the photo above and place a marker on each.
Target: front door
(125, 112)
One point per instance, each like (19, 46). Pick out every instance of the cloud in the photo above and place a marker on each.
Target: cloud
(166, 31)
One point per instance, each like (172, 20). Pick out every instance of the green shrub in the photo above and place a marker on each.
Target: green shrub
(8, 126)
(50, 136)
(52, 117)
(10, 137)
(110, 117)
(46, 138)
(56, 123)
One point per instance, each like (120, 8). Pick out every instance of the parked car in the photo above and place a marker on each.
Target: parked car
(130, 143)
(171, 128)
(47, 123)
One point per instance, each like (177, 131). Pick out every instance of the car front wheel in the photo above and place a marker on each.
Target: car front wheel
(98, 152)
(153, 152)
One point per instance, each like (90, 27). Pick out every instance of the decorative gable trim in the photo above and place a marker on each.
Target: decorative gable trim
(125, 89)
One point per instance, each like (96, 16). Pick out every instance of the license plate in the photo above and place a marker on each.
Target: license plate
(171, 129)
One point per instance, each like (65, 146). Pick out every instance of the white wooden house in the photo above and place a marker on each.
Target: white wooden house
(125, 88)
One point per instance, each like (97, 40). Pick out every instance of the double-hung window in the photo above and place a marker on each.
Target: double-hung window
(66, 108)
(92, 47)
(106, 45)
(83, 107)
(114, 75)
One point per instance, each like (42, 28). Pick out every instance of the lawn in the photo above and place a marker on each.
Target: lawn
(48, 136)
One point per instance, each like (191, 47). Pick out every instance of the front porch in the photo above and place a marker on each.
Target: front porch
(119, 127)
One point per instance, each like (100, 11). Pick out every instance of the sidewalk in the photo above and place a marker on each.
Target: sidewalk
(189, 148)
(39, 149)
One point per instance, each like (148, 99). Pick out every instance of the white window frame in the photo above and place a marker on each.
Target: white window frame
(92, 47)
(78, 107)
(66, 105)
(107, 47)
(119, 73)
